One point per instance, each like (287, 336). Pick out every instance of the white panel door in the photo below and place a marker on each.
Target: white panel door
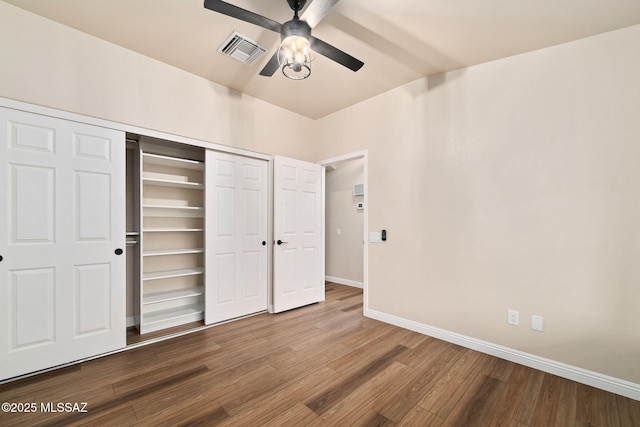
(298, 256)
(62, 207)
(236, 236)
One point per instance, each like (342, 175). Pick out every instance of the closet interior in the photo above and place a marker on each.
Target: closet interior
(165, 237)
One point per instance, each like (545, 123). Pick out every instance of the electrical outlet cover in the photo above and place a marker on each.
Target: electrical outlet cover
(536, 323)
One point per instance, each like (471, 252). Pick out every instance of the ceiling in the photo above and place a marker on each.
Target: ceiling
(399, 41)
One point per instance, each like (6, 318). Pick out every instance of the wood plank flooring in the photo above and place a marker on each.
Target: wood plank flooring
(321, 365)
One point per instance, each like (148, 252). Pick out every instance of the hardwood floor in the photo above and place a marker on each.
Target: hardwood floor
(321, 365)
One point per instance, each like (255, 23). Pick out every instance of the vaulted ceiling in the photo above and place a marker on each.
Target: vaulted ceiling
(399, 41)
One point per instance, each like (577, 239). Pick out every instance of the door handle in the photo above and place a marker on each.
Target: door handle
(279, 242)
(264, 243)
(118, 251)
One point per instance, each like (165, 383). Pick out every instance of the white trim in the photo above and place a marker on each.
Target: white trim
(342, 281)
(323, 226)
(594, 379)
(350, 156)
(51, 112)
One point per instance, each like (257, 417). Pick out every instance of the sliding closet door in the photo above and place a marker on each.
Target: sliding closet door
(236, 236)
(62, 273)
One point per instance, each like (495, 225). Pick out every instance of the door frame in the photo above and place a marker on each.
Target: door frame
(363, 154)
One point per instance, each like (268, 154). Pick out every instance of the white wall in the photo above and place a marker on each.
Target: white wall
(344, 252)
(512, 184)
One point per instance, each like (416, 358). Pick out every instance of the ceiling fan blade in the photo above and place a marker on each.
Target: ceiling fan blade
(317, 10)
(242, 14)
(335, 54)
(271, 66)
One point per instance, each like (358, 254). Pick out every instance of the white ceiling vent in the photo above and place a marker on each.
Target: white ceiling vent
(241, 48)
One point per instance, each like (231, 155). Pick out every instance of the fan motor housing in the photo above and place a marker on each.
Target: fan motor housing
(295, 27)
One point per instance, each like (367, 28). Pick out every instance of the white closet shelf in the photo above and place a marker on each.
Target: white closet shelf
(162, 319)
(171, 230)
(154, 211)
(174, 184)
(157, 297)
(167, 274)
(175, 162)
(161, 252)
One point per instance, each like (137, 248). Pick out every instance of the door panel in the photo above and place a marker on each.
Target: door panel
(93, 299)
(64, 297)
(299, 258)
(92, 206)
(32, 307)
(236, 225)
(32, 195)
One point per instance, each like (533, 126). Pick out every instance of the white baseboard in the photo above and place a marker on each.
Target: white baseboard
(341, 281)
(594, 379)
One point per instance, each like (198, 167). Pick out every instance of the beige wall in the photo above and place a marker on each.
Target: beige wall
(344, 252)
(513, 184)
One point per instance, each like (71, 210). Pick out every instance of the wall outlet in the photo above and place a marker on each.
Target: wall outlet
(513, 317)
(536, 323)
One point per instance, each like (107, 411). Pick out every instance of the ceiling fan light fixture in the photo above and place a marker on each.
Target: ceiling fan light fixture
(295, 54)
(295, 57)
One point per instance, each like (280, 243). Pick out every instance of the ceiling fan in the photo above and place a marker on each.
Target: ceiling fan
(294, 55)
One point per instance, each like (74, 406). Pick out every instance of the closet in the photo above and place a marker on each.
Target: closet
(171, 236)
(107, 229)
(181, 275)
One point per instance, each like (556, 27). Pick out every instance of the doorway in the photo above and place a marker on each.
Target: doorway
(346, 220)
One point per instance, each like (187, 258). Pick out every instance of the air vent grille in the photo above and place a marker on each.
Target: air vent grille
(241, 48)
